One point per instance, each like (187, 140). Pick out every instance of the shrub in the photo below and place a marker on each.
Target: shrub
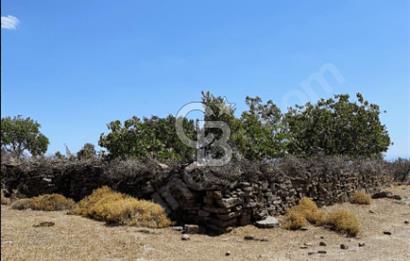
(47, 202)
(116, 208)
(343, 221)
(310, 210)
(306, 210)
(51, 202)
(21, 204)
(361, 198)
(337, 126)
(89, 206)
(294, 220)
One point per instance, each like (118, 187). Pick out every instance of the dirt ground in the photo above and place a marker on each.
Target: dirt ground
(77, 238)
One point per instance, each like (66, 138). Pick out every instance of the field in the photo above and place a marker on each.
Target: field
(77, 238)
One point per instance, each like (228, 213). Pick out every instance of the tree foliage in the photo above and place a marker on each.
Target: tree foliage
(334, 126)
(20, 135)
(337, 126)
(257, 134)
(151, 137)
(87, 152)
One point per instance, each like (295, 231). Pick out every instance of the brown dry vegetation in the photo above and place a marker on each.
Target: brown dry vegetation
(307, 211)
(47, 202)
(77, 238)
(116, 208)
(343, 221)
(361, 198)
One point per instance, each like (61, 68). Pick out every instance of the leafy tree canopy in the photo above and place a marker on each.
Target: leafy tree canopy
(332, 126)
(87, 152)
(150, 137)
(20, 135)
(337, 126)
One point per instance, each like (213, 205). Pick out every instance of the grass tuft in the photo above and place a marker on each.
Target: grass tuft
(307, 211)
(343, 221)
(116, 208)
(46, 202)
(361, 198)
(21, 204)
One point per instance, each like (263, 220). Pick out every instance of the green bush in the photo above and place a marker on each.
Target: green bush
(337, 127)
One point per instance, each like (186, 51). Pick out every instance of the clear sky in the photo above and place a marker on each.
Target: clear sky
(76, 65)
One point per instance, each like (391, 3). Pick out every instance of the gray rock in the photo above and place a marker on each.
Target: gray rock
(249, 238)
(185, 237)
(191, 229)
(45, 224)
(382, 194)
(396, 197)
(178, 228)
(269, 222)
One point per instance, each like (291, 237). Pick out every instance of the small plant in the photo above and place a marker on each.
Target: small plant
(361, 198)
(307, 211)
(116, 208)
(21, 204)
(47, 202)
(343, 221)
(294, 220)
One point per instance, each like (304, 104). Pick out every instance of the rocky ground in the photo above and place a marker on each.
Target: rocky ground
(385, 236)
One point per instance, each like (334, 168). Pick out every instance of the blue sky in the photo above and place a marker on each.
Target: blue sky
(76, 65)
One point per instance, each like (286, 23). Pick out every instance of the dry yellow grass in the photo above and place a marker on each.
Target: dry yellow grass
(113, 207)
(343, 221)
(294, 220)
(21, 204)
(307, 211)
(77, 238)
(47, 202)
(361, 198)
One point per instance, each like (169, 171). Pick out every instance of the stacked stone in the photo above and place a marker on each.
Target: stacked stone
(211, 198)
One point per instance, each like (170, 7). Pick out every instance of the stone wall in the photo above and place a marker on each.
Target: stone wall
(217, 198)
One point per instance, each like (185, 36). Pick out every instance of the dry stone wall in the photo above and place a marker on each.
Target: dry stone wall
(217, 198)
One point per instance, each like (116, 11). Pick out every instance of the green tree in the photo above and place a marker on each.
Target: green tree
(257, 134)
(263, 130)
(87, 152)
(19, 135)
(59, 155)
(337, 126)
(151, 137)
